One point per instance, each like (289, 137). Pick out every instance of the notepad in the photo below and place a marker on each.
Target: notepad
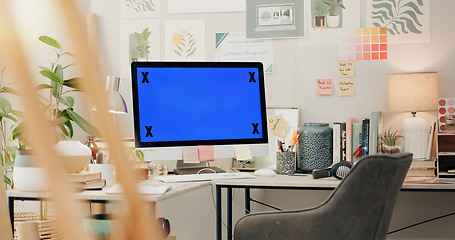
(143, 188)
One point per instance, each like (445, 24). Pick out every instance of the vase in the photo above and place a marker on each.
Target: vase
(27, 175)
(333, 21)
(314, 147)
(75, 155)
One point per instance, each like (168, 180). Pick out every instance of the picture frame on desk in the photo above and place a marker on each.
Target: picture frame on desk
(292, 116)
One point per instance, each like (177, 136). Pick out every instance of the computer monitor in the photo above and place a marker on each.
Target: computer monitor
(179, 104)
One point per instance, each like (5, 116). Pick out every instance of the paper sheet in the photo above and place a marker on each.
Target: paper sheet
(190, 155)
(242, 152)
(206, 153)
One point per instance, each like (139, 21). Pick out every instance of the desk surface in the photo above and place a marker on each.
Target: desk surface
(176, 189)
(306, 181)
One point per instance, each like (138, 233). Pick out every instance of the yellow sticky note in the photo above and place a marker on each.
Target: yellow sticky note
(345, 69)
(242, 152)
(278, 125)
(190, 155)
(206, 153)
(346, 88)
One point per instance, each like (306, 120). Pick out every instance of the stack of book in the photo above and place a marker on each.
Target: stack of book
(422, 168)
(353, 140)
(87, 180)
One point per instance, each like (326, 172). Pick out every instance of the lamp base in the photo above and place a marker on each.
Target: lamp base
(414, 131)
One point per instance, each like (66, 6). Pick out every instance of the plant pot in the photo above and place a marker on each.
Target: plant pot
(333, 21)
(319, 21)
(75, 155)
(390, 149)
(27, 175)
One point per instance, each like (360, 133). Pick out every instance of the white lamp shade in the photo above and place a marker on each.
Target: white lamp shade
(413, 92)
(115, 101)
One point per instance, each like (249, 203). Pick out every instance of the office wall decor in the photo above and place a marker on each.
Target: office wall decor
(275, 18)
(363, 44)
(185, 40)
(140, 8)
(446, 106)
(200, 6)
(407, 21)
(235, 47)
(140, 41)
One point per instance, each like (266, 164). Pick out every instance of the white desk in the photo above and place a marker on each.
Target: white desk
(298, 182)
(101, 196)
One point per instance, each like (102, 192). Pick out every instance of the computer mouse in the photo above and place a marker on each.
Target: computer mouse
(265, 172)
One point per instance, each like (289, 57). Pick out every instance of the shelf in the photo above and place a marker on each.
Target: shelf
(446, 153)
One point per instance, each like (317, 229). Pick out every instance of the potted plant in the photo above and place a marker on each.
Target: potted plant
(140, 50)
(138, 158)
(333, 19)
(319, 10)
(389, 140)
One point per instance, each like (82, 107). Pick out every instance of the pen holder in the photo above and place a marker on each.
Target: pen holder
(285, 162)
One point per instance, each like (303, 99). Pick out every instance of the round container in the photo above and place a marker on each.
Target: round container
(314, 147)
(76, 156)
(27, 175)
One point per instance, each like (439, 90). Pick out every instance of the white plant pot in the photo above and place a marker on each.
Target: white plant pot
(27, 176)
(333, 21)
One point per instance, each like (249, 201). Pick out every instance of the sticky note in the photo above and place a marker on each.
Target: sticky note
(324, 86)
(278, 125)
(346, 88)
(190, 155)
(346, 68)
(242, 152)
(206, 153)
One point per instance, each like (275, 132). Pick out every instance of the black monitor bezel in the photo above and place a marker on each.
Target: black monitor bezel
(136, 117)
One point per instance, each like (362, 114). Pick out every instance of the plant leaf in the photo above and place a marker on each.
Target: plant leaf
(51, 75)
(81, 122)
(50, 41)
(59, 71)
(5, 106)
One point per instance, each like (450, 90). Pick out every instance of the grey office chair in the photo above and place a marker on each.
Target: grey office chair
(359, 208)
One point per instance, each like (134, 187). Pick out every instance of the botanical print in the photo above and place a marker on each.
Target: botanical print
(184, 44)
(398, 16)
(185, 40)
(140, 8)
(140, 41)
(406, 20)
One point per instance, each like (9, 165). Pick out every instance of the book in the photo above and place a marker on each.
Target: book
(356, 142)
(84, 176)
(374, 131)
(198, 170)
(424, 172)
(95, 184)
(431, 139)
(343, 141)
(422, 163)
(336, 142)
(349, 150)
(143, 188)
(365, 136)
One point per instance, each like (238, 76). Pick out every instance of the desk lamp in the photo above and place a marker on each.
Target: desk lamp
(414, 92)
(115, 102)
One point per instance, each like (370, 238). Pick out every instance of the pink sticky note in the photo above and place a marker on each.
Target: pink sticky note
(206, 153)
(324, 86)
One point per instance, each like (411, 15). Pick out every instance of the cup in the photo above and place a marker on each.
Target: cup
(285, 162)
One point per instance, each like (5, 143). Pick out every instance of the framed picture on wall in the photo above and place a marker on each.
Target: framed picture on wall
(275, 18)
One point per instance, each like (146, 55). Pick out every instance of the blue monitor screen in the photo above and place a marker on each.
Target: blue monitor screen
(198, 103)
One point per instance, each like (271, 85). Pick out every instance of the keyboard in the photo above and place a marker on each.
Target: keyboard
(204, 177)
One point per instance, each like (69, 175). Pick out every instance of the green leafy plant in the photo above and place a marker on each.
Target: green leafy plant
(141, 44)
(7, 114)
(333, 5)
(400, 17)
(136, 156)
(319, 8)
(390, 138)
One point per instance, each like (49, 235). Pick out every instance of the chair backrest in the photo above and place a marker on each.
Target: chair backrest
(361, 206)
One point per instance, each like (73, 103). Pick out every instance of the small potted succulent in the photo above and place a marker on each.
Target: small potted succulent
(389, 140)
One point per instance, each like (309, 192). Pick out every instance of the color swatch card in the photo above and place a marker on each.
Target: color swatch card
(190, 155)
(445, 106)
(206, 153)
(363, 44)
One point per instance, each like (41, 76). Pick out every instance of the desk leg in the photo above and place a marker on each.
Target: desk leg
(247, 200)
(229, 212)
(11, 211)
(218, 213)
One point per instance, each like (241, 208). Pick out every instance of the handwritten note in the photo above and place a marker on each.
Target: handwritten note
(278, 125)
(242, 152)
(324, 86)
(346, 88)
(206, 153)
(345, 69)
(190, 155)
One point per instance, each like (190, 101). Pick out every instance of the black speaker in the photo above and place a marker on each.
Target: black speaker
(338, 170)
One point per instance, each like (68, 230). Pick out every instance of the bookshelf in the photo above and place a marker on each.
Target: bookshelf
(446, 154)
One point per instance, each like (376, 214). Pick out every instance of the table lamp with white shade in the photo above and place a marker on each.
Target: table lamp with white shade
(414, 92)
(115, 102)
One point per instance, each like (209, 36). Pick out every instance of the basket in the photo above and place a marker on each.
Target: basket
(48, 226)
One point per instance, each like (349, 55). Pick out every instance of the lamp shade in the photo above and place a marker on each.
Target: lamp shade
(116, 103)
(413, 92)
